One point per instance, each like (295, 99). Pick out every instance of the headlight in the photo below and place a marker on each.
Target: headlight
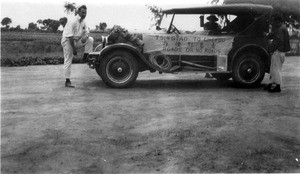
(103, 44)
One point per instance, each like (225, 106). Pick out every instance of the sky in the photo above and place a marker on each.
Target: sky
(130, 14)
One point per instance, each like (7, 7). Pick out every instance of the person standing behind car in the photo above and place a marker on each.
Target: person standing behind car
(278, 47)
(214, 28)
(212, 24)
(75, 35)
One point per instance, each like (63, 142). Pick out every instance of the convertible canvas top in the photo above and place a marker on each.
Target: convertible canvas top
(234, 9)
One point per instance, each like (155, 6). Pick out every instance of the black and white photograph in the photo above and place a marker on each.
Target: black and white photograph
(150, 86)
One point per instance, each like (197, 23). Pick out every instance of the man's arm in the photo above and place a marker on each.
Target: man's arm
(85, 34)
(281, 36)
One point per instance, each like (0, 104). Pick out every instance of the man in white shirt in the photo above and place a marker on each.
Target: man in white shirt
(75, 35)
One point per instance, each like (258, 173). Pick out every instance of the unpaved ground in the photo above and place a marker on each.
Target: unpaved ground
(163, 124)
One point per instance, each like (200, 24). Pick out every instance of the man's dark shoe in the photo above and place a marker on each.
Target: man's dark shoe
(268, 86)
(208, 75)
(85, 58)
(69, 84)
(275, 89)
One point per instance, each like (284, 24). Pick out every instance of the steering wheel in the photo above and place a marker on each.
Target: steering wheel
(173, 29)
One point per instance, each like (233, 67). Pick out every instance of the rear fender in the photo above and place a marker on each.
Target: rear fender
(255, 49)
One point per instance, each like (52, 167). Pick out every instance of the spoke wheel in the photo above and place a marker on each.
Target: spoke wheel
(249, 70)
(118, 69)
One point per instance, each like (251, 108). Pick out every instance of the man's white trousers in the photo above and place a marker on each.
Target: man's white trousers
(277, 60)
(68, 52)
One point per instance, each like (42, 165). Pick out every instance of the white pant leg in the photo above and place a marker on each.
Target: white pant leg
(88, 45)
(277, 60)
(68, 57)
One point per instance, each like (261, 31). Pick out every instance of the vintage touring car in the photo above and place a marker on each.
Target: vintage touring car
(236, 49)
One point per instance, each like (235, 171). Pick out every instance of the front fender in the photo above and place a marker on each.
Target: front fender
(135, 51)
(125, 46)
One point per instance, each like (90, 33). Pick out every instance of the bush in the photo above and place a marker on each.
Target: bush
(26, 61)
(36, 48)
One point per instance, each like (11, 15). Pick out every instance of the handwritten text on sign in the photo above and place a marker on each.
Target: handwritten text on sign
(187, 44)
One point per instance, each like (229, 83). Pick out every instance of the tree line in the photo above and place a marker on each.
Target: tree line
(289, 9)
(46, 25)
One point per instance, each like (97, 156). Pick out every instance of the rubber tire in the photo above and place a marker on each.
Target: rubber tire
(248, 65)
(97, 68)
(108, 69)
(221, 76)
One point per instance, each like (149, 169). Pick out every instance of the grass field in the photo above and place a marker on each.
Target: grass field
(35, 48)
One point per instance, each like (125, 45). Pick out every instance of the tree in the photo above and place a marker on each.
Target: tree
(63, 21)
(17, 28)
(157, 12)
(51, 25)
(46, 22)
(32, 27)
(215, 1)
(39, 23)
(6, 22)
(54, 25)
(102, 26)
(70, 7)
(288, 8)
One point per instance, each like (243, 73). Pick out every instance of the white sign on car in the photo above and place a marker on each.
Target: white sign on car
(187, 44)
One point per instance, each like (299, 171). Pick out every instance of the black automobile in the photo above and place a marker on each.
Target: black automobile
(234, 48)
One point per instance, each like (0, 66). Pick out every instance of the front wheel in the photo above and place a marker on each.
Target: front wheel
(248, 70)
(118, 69)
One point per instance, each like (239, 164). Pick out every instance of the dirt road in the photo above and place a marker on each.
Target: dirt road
(165, 123)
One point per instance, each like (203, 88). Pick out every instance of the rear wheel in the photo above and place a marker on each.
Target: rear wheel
(118, 69)
(249, 70)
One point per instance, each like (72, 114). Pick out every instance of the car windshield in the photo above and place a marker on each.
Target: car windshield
(182, 22)
(165, 22)
(191, 23)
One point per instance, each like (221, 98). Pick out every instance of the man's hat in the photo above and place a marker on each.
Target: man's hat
(80, 6)
(212, 18)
